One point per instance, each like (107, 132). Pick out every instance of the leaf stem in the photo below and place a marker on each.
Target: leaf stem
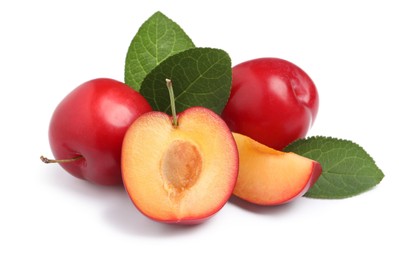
(172, 102)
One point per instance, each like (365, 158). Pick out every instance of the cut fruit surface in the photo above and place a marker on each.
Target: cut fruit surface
(179, 174)
(271, 177)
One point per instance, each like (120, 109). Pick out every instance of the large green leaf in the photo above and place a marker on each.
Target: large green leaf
(348, 169)
(200, 77)
(157, 39)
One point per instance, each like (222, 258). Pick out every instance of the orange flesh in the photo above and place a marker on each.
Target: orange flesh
(267, 176)
(179, 173)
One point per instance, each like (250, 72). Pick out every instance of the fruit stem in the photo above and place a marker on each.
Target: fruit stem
(47, 160)
(172, 102)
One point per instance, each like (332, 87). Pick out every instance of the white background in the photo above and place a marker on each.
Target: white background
(47, 48)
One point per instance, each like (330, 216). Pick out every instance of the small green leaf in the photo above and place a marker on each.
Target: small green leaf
(200, 77)
(157, 38)
(348, 169)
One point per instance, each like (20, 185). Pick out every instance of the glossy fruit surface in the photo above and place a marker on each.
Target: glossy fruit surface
(179, 174)
(91, 122)
(272, 101)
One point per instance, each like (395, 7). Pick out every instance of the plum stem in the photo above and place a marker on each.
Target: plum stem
(47, 160)
(172, 102)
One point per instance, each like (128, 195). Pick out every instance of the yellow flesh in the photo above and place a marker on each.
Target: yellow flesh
(179, 173)
(268, 176)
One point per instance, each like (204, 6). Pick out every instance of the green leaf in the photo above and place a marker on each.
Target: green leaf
(157, 39)
(348, 169)
(200, 77)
